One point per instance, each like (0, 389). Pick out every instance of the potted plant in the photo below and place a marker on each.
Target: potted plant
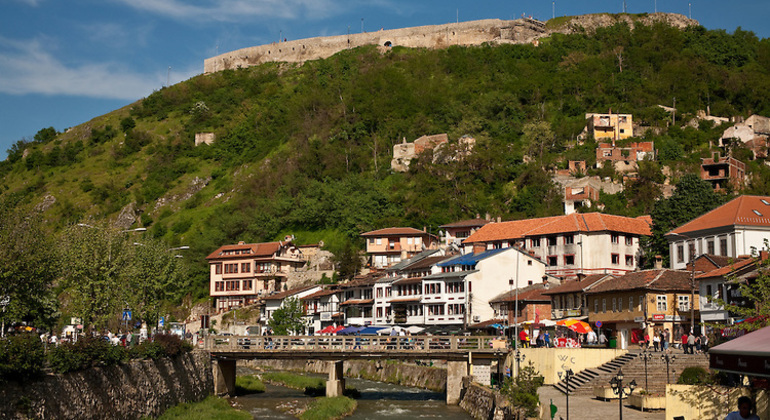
(645, 400)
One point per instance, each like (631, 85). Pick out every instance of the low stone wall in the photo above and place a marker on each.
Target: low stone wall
(483, 403)
(140, 388)
(711, 402)
(431, 378)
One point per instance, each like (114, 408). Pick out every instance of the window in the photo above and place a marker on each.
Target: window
(392, 244)
(604, 305)
(596, 305)
(529, 262)
(723, 247)
(614, 305)
(379, 312)
(710, 247)
(245, 267)
(684, 303)
(620, 304)
(708, 290)
(410, 241)
(552, 241)
(247, 284)
(218, 268)
(614, 238)
(371, 241)
(662, 303)
(435, 309)
(569, 239)
(569, 260)
(231, 268)
(615, 259)
(630, 303)
(691, 249)
(629, 240)
(379, 241)
(641, 301)
(379, 292)
(680, 253)
(629, 260)
(219, 286)
(552, 261)
(534, 242)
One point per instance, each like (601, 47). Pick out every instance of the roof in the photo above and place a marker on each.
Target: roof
(409, 280)
(396, 231)
(534, 293)
(415, 259)
(486, 324)
(406, 299)
(729, 269)
(467, 223)
(746, 210)
(358, 302)
(320, 293)
(288, 293)
(576, 222)
(657, 279)
(426, 263)
(746, 355)
(450, 275)
(471, 259)
(578, 286)
(262, 249)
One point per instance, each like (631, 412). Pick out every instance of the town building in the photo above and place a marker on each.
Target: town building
(269, 304)
(756, 127)
(624, 158)
(569, 300)
(242, 273)
(587, 243)
(642, 302)
(531, 302)
(723, 284)
(610, 126)
(739, 227)
(723, 172)
(322, 309)
(455, 233)
(392, 245)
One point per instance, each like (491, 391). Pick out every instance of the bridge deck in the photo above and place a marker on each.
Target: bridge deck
(354, 347)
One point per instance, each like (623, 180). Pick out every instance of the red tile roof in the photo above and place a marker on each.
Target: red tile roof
(576, 222)
(723, 271)
(532, 293)
(658, 279)
(292, 292)
(426, 263)
(320, 293)
(358, 302)
(262, 249)
(746, 210)
(395, 231)
(578, 286)
(467, 223)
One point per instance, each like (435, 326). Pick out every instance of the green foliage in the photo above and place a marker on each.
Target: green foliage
(756, 296)
(329, 408)
(347, 260)
(161, 345)
(21, 357)
(101, 136)
(694, 375)
(310, 385)
(127, 124)
(250, 384)
(46, 135)
(85, 353)
(288, 318)
(522, 390)
(212, 408)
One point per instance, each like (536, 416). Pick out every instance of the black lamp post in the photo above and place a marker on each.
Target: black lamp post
(518, 357)
(617, 387)
(568, 374)
(668, 358)
(645, 355)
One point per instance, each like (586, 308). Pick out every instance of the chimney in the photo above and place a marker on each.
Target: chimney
(424, 228)
(763, 255)
(241, 242)
(499, 219)
(479, 247)
(658, 262)
(487, 216)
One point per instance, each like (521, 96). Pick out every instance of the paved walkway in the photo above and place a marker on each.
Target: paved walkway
(588, 408)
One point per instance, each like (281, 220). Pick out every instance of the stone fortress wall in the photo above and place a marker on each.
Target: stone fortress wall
(519, 31)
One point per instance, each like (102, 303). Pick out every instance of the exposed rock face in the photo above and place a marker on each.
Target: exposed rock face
(589, 23)
(46, 204)
(139, 389)
(196, 185)
(483, 403)
(127, 216)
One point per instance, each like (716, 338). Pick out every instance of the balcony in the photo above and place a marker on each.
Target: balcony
(568, 313)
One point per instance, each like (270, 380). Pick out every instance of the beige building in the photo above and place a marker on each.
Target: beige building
(240, 274)
(613, 127)
(391, 245)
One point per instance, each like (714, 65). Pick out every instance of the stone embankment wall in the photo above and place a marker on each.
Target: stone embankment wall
(396, 373)
(519, 31)
(141, 388)
(483, 403)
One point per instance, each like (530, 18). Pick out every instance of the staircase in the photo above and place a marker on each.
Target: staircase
(633, 369)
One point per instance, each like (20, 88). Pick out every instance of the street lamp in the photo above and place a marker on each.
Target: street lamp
(518, 357)
(646, 356)
(568, 374)
(617, 387)
(668, 358)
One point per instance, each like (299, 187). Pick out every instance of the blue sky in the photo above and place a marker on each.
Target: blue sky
(63, 62)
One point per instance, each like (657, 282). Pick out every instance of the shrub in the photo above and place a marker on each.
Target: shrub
(161, 345)
(694, 375)
(329, 408)
(85, 353)
(522, 391)
(21, 357)
(248, 385)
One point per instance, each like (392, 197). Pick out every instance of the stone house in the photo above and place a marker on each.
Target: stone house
(723, 171)
(568, 300)
(389, 246)
(624, 158)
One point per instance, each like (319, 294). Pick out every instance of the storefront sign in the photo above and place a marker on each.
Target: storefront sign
(638, 319)
(658, 317)
(326, 316)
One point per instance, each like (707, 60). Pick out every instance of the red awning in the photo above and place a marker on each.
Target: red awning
(748, 355)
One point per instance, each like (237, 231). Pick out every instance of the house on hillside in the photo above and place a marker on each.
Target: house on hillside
(642, 302)
(454, 233)
(755, 127)
(613, 127)
(739, 227)
(587, 243)
(624, 158)
(723, 171)
(242, 273)
(389, 246)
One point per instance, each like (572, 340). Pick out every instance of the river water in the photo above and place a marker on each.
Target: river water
(378, 401)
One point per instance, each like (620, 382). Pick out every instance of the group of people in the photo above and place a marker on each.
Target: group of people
(542, 340)
(691, 343)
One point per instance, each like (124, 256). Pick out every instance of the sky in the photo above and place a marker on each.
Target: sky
(64, 62)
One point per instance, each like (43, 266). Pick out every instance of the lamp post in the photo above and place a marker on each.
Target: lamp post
(646, 356)
(568, 374)
(518, 357)
(668, 358)
(617, 387)
(4, 301)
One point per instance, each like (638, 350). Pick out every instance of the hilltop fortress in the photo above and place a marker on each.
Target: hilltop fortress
(493, 31)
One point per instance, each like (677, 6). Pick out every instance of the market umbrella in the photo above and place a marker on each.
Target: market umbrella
(580, 327)
(370, 330)
(327, 330)
(497, 326)
(349, 330)
(415, 329)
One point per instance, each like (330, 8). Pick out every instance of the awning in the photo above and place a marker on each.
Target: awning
(747, 355)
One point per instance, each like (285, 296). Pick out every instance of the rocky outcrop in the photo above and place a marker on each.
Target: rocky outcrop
(483, 403)
(138, 389)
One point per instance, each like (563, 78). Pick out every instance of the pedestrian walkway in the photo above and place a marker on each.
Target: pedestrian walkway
(584, 407)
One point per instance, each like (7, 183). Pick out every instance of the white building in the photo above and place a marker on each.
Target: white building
(276, 301)
(740, 227)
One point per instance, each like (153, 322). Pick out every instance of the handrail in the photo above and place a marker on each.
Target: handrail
(352, 343)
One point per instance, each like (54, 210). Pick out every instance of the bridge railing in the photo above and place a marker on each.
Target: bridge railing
(363, 343)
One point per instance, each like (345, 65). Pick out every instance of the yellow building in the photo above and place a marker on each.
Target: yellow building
(642, 302)
(610, 126)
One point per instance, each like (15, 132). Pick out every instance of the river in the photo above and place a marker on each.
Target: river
(378, 401)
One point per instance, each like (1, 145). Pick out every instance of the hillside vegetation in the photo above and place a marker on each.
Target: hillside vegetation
(306, 149)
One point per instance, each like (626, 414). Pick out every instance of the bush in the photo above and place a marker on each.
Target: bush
(694, 375)
(248, 385)
(161, 345)
(85, 353)
(522, 391)
(329, 408)
(21, 357)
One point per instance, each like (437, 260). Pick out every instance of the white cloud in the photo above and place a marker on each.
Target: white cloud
(33, 3)
(28, 68)
(234, 10)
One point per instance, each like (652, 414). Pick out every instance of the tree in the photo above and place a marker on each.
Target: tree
(521, 391)
(27, 268)
(692, 198)
(347, 261)
(755, 298)
(538, 139)
(288, 318)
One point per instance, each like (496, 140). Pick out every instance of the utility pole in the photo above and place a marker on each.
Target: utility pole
(656, 6)
(362, 25)
(625, 7)
(553, 11)
(168, 76)
(689, 6)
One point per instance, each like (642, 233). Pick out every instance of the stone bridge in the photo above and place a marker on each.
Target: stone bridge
(458, 351)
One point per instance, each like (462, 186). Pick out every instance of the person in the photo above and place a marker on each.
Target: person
(547, 339)
(523, 338)
(540, 341)
(704, 343)
(685, 343)
(665, 339)
(603, 339)
(591, 338)
(646, 342)
(694, 342)
(745, 406)
(656, 340)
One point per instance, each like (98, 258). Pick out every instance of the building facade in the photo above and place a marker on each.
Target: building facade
(389, 246)
(723, 172)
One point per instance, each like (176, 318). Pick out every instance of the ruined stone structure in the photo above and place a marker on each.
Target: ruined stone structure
(520, 31)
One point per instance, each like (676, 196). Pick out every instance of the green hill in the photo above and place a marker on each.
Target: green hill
(306, 149)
